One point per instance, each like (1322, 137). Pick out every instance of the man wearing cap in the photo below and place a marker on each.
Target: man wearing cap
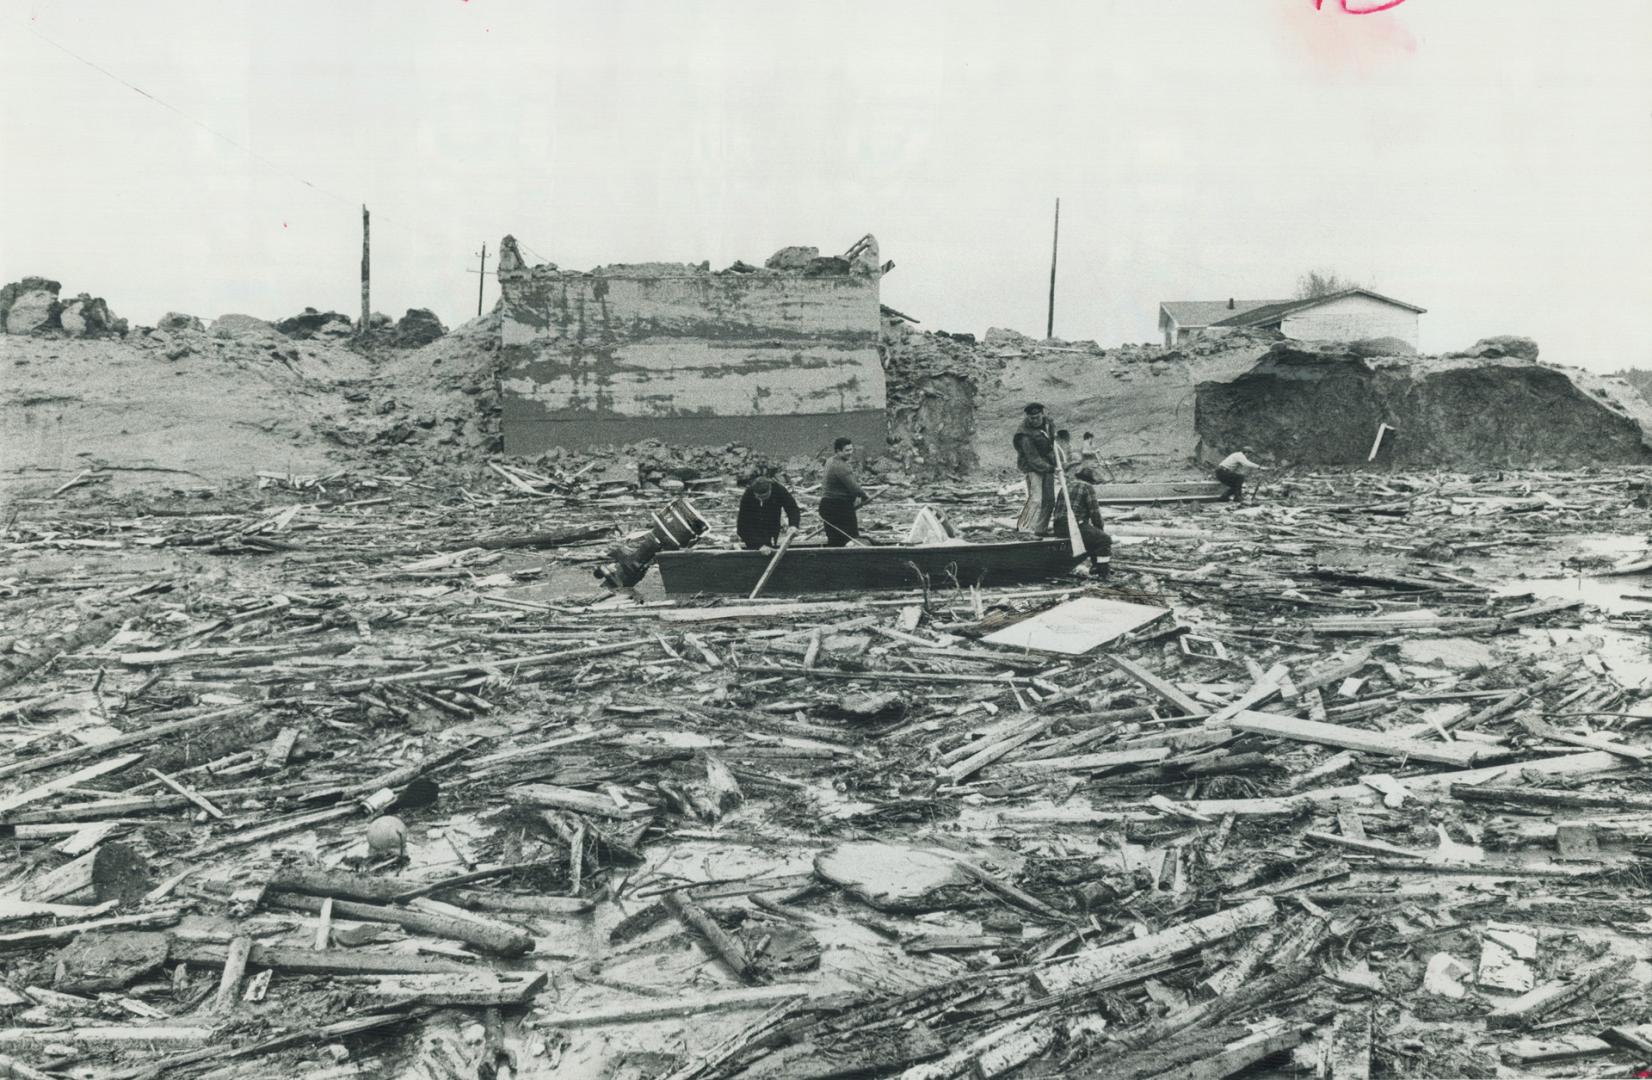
(1087, 511)
(1034, 443)
(1232, 471)
(758, 523)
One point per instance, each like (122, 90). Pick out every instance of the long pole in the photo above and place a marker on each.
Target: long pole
(481, 278)
(1073, 535)
(366, 274)
(1055, 243)
(779, 553)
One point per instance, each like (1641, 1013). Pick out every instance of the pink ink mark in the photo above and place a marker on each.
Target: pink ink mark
(1362, 7)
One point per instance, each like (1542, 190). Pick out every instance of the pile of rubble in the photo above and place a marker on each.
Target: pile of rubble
(33, 306)
(361, 777)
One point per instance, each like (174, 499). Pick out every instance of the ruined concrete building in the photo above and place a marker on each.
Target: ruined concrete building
(782, 358)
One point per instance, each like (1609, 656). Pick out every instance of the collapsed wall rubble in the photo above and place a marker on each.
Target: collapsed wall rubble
(1493, 405)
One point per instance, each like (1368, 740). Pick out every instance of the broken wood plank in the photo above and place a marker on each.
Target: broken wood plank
(1098, 963)
(471, 989)
(1162, 687)
(316, 961)
(678, 1005)
(68, 780)
(1240, 1054)
(1348, 1055)
(1545, 999)
(1462, 755)
(1597, 763)
(150, 734)
(235, 966)
(485, 934)
(729, 950)
(189, 793)
(580, 802)
(57, 935)
(1090, 762)
(505, 663)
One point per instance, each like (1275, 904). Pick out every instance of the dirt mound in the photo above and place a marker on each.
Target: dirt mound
(187, 407)
(1322, 404)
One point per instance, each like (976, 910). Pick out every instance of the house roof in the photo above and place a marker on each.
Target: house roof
(1274, 312)
(1197, 313)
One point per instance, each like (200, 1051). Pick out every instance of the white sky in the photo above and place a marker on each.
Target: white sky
(1490, 160)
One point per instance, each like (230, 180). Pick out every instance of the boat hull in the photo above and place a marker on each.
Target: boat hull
(1135, 494)
(857, 569)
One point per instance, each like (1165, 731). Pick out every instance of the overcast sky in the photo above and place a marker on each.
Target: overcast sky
(1489, 160)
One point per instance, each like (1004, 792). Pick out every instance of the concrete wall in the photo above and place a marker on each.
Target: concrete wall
(771, 358)
(1352, 318)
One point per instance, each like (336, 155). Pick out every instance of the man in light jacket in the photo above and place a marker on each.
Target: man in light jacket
(1233, 471)
(1034, 443)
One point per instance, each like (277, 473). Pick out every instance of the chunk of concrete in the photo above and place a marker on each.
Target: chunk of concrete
(177, 320)
(33, 299)
(792, 258)
(419, 326)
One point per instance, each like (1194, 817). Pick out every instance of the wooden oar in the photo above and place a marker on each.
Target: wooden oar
(779, 553)
(1067, 500)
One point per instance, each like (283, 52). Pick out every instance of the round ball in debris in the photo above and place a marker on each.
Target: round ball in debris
(387, 834)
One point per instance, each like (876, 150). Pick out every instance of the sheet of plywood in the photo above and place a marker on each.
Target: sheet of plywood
(1076, 626)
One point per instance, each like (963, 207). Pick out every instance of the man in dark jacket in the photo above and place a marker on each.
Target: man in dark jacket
(1035, 456)
(758, 523)
(1097, 544)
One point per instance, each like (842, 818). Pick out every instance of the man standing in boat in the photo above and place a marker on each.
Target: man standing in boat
(1034, 443)
(841, 495)
(1087, 511)
(758, 524)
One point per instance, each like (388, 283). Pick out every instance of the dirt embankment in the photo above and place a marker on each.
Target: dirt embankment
(954, 403)
(1322, 404)
(191, 406)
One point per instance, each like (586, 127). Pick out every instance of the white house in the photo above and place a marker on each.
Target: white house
(1181, 319)
(1350, 315)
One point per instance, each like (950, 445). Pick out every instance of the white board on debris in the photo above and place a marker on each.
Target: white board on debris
(1077, 626)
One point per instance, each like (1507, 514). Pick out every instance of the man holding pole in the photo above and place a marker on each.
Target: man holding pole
(1078, 506)
(841, 495)
(1035, 456)
(758, 523)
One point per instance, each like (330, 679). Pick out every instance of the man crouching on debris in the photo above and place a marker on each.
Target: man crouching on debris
(1233, 470)
(1034, 443)
(758, 523)
(1087, 512)
(841, 495)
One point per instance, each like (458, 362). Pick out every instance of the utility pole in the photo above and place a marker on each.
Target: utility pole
(481, 277)
(366, 274)
(1055, 243)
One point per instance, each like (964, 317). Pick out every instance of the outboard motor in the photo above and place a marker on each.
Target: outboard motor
(676, 527)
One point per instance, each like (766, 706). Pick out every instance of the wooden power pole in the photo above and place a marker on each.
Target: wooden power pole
(481, 277)
(1055, 243)
(366, 275)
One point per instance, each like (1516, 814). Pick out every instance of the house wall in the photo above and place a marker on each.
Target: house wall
(773, 359)
(1352, 318)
